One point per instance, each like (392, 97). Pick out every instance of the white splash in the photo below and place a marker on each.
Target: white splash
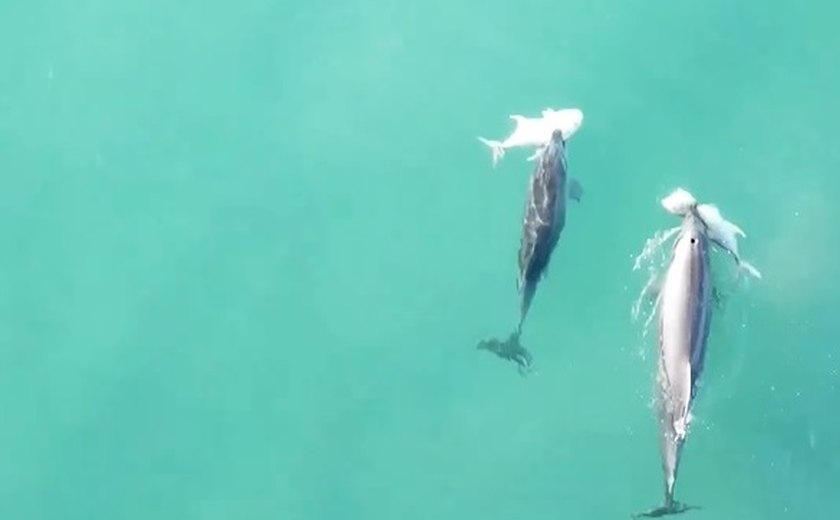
(654, 257)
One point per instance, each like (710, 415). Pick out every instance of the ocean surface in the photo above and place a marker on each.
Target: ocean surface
(249, 249)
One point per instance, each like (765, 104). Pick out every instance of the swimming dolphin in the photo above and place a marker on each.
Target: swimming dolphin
(543, 221)
(684, 306)
(536, 132)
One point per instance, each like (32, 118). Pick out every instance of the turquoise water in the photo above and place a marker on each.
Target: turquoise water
(250, 248)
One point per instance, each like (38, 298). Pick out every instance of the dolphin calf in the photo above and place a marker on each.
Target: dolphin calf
(536, 132)
(684, 307)
(543, 221)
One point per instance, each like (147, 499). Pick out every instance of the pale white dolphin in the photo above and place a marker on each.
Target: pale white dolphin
(535, 132)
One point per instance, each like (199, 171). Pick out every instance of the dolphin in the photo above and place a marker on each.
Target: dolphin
(684, 307)
(543, 221)
(536, 132)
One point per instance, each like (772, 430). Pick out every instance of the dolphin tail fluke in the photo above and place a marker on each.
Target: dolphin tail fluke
(497, 147)
(672, 508)
(575, 190)
(510, 349)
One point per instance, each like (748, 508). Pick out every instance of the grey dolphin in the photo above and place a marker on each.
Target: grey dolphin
(684, 306)
(543, 222)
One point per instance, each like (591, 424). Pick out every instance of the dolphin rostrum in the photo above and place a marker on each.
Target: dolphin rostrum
(543, 222)
(684, 306)
(536, 132)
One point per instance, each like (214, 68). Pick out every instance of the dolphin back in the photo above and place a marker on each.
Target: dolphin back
(545, 216)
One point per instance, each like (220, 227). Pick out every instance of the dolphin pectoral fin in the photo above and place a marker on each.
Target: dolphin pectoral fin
(575, 190)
